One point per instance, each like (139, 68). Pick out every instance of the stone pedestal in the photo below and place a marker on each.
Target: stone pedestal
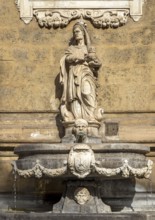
(81, 197)
(92, 133)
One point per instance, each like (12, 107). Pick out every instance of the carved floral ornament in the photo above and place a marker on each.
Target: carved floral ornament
(101, 13)
(81, 163)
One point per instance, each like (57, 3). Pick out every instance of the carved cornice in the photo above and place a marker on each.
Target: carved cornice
(102, 14)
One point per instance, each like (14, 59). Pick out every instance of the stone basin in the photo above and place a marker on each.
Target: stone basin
(86, 169)
(103, 160)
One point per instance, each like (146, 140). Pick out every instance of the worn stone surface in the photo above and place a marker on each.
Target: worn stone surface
(47, 216)
(81, 197)
(42, 160)
(46, 127)
(111, 160)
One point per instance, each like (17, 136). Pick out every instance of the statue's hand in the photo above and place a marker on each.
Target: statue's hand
(80, 56)
(79, 60)
(74, 59)
(92, 58)
(94, 63)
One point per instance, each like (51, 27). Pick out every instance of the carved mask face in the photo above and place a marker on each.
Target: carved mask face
(78, 33)
(81, 195)
(81, 127)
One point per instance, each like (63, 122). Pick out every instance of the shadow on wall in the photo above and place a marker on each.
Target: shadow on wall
(58, 95)
(33, 195)
(119, 194)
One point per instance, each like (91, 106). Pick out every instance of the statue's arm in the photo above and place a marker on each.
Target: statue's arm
(92, 59)
(73, 56)
(71, 59)
(94, 62)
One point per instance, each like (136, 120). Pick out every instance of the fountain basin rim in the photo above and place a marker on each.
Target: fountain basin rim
(62, 148)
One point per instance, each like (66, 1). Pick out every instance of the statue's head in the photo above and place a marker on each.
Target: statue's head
(80, 128)
(80, 32)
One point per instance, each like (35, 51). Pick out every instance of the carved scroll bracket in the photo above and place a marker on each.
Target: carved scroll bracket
(102, 14)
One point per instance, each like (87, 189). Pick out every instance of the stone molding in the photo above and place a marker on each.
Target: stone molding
(102, 14)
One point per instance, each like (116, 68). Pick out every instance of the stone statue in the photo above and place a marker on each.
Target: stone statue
(79, 70)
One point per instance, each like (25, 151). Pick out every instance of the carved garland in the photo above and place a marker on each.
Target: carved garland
(125, 171)
(102, 14)
(99, 18)
(38, 171)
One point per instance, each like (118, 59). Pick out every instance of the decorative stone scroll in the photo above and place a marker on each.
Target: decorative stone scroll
(102, 14)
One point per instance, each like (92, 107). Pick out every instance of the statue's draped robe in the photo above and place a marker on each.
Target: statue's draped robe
(79, 84)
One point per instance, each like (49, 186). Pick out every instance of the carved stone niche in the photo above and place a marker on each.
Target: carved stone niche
(101, 13)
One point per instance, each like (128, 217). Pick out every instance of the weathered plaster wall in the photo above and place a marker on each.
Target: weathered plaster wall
(29, 66)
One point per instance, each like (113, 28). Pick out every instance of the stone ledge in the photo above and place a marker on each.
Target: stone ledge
(47, 216)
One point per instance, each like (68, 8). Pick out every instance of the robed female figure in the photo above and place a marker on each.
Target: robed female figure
(79, 69)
